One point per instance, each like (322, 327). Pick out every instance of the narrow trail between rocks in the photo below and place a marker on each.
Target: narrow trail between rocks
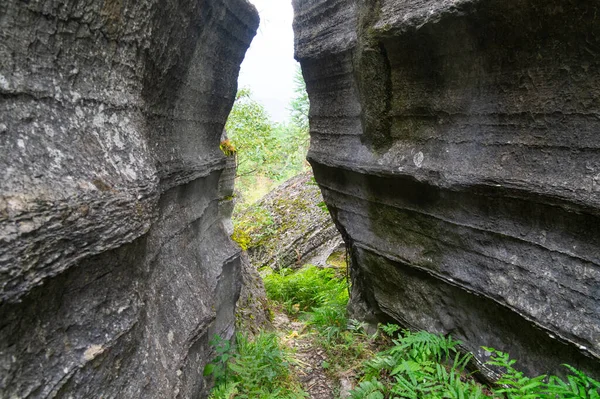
(309, 356)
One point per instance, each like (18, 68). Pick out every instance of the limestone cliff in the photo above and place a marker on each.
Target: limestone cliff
(457, 145)
(115, 266)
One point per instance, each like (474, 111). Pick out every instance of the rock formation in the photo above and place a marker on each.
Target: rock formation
(252, 312)
(115, 266)
(289, 227)
(457, 145)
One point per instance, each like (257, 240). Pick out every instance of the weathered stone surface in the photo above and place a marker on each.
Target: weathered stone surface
(456, 144)
(289, 227)
(252, 312)
(115, 266)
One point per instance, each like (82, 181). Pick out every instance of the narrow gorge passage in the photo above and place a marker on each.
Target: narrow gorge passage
(455, 153)
(309, 358)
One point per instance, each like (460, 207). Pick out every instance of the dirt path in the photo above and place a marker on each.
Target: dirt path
(310, 358)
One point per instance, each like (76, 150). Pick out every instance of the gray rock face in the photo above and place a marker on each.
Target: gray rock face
(115, 266)
(456, 144)
(252, 312)
(290, 226)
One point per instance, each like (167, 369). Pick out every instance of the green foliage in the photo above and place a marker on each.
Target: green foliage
(421, 365)
(259, 368)
(306, 289)
(390, 329)
(330, 319)
(267, 152)
(578, 385)
(300, 105)
(422, 346)
(224, 391)
(218, 366)
(321, 297)
(428, 366)
(250, 129)
(418, 365)
(515, 385)
(293, 143)
(372, 389)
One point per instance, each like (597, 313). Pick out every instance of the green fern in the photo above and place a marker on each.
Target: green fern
(390, 329)
(578, 385)
(372, 389)
(515, 385)
(378, 365)
(224, 391)
(424, 345)
(257, 369)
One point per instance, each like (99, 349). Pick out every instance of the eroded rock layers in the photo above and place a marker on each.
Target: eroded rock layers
(457, 144)
(115, 266)
(290, 226)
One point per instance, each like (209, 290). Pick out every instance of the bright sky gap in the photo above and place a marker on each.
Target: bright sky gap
(269, 67)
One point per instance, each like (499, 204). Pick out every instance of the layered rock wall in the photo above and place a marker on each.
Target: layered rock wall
(115, 266)
(457, 145)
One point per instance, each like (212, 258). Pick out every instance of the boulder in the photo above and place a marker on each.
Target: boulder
(288, 227)
(456, 145)
(115, 265)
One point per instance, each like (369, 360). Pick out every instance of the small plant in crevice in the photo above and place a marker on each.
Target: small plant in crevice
(227, 148)
(254, 368)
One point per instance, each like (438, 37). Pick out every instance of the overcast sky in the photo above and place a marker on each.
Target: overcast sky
(269, 67)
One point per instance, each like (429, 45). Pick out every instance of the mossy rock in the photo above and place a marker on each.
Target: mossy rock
(289, 227)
